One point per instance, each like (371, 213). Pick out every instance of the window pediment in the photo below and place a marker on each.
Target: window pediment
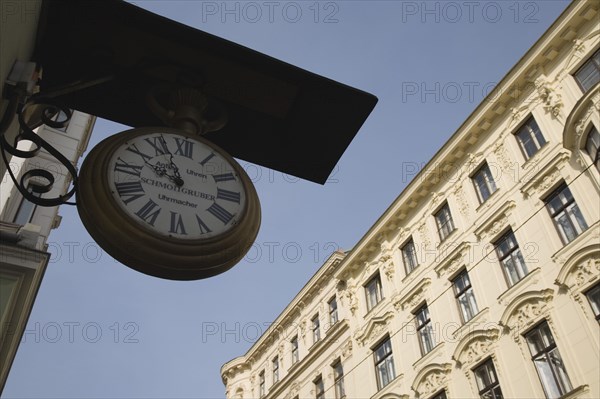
(431, 379)
(413, 297)
(374, 329)
(526, 309)
(455, 259)
(475, 346)
(496, 222)
(581, 269)
(545, 177)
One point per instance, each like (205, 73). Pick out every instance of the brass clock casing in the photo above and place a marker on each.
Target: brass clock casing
(144, 250)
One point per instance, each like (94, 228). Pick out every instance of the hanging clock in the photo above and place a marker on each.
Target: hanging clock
(168, 203)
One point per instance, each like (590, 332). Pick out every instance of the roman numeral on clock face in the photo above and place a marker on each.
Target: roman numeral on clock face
(220, 213)
(124, 167)
(203, 227)
(147, 212)
(224, 177)
(177, 226)
(228, 195)
(159, 145)
(133, 148)
(208, 158)
(130, 191)
(184, 147)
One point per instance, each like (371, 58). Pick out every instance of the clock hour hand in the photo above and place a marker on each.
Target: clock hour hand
(177, 176)
(162, 171)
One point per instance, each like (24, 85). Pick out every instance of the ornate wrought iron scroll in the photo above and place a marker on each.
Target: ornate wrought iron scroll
(44, 179)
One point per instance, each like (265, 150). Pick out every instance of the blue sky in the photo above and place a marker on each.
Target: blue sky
(101, 330)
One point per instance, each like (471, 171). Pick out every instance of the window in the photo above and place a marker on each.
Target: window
(589, 73)
(424, 330)
(484, 183)
(548, 362)
(261, 384)
(373, 292)
(26, 208)
(316, 329)
(444, 222)
(384, 363)
(487, 381)
(464, 296)
(319, 388)
(593, 296)
(338, 379)
(295, 354)
(566, 215)
(333, 311)
(440, 395)
(592, 146)
(275, 369)
(409, 256)
(510, 258)
(530, 138)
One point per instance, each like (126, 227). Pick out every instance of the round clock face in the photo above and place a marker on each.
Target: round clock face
(176, 186)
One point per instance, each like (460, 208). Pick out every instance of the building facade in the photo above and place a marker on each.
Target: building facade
(482, 279)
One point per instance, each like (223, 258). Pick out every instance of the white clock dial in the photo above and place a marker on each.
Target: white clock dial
(176, 186)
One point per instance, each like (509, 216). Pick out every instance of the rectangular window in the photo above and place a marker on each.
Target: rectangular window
(261, 384)
(295, 354)
(409, 256)
(487, 381)
(565, 213)
(589, 73)
(424, 330)
(465, 296)
(338, 380)
(440, 395)
(316, 329)
(510, 258)
(443, 219)
(333, 311)
(57, 117)
(319, 388)
(484, 183)
(373, 292)
(275, 369)
(530, 138)
(547, 360)
(26, 208)
(593, 296)
(592, 146)
(384, 363)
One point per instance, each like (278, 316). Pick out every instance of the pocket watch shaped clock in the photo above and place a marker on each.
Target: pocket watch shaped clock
(168, 203)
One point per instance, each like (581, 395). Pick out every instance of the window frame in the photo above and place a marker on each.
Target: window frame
(545, 352)
(489, 365)
(424, 324)
(338, 379)
(487, 179)
(441, 226)
(319, 387)
(261, 384)
(375, 279)
(591, 60)
(316, 328)
(333, 311)
(568, 210)
(458, 293)
(409, 257)
(386, 360)
(275, 363)
(514, 249)
(532, 135)
(595, 306)
(440, 395)
(589, 139)
(295, 349)
(25, 202)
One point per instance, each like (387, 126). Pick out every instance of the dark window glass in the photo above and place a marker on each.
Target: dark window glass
(424, 330)
(592, 146)
(333, 311)
(295, 354)
(589, 73)
(319, 388)
(373, 292)
(445, 224)
(409, 256)
(275, 369)
(593, 296)
(566, 214)
(440, 395)
(487, 381)
(484, 183)
(384, 363)
(465, 296)
(338, 380)
(261, 384)
(547, 361)
(511, 258)
(316, 329)
(26, 208)
(530, 138)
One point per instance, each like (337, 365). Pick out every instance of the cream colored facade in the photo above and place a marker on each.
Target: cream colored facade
(547, 293)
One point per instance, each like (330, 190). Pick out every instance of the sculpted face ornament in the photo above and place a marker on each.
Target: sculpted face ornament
(165, 201)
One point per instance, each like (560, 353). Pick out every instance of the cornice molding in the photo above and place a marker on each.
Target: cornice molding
(374, 329)
(412, 296)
